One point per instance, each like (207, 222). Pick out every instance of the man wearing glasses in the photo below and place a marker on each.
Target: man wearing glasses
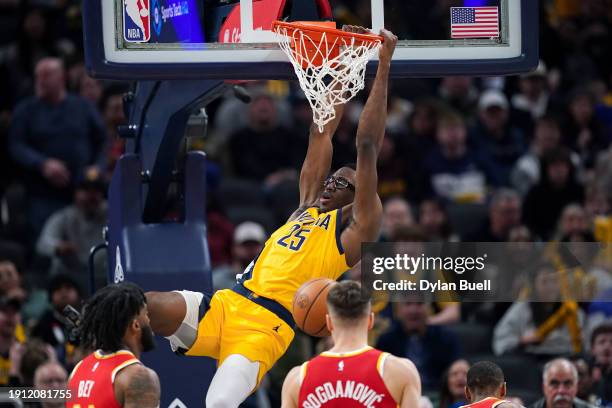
(248, 328)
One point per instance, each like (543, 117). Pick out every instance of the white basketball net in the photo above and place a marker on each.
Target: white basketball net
(334, 81)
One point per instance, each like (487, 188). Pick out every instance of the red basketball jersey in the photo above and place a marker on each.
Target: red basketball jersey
(485, 403)
(345, 380)
(91, 381)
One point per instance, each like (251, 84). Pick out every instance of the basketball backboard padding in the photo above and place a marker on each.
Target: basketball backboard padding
(108, 57)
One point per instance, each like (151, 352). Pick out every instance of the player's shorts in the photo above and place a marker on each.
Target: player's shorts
(234, 324)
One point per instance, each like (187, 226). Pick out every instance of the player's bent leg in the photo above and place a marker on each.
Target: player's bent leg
(233, 382)
(166, 311)
(183, 308)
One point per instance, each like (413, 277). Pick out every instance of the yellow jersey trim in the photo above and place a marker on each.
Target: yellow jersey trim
(74, 370)
(122, 366)
(101, 356)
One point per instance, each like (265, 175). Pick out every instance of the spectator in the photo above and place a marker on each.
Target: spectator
(262, 151)
(17, 60)
(63, 291)
(433, 220)
(12, 335)
(452, 393)
(557, 188)
(543, 326)
(410, 240)
(495, 137)
(526, 171)
(601, 350)
(597, 202)
(504, 214)
(573, 223)
(460, 94)
(583, 132)
(396, 213)
(533, 96)
(90, 89)
(560, 386)
(249, 239)
(392, 170)
(51, 376)
(33, 301)
(31, 355)
(431, 348)
(114, 116)
(56, 137)
(70, 233)
(416, 145)
(455, 172)
(585, 380)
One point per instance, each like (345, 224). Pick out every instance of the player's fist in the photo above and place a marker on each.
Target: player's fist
(388, 46)
(355, 29)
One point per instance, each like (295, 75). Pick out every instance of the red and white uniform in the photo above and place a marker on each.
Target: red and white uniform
(91, 381)
(485, 403)
(345, 380)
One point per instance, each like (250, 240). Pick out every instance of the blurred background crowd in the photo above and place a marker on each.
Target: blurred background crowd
(516, 159)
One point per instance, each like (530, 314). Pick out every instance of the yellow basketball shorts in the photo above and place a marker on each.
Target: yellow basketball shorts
(235, 325)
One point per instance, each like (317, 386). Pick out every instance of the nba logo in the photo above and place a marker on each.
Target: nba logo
(136, 20)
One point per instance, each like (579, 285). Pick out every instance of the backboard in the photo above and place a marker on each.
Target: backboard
(231, 39)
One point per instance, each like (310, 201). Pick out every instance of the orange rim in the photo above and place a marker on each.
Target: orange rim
(313, 27)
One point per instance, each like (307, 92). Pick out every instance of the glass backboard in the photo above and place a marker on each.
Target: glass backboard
(231, 39)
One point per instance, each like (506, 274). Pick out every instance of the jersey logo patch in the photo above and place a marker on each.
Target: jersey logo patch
(341, 365)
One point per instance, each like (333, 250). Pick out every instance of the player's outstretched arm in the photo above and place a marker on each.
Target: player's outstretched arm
(137, 386)
(317, 163)
(291, 389)
(367, 208)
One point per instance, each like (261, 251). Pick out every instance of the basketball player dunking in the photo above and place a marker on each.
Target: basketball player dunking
(352, 374)
(486, 387)
(248, 328)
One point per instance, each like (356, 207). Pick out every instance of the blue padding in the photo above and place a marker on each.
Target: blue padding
(164, 257)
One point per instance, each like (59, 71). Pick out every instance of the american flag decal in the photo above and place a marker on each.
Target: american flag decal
(474, 22)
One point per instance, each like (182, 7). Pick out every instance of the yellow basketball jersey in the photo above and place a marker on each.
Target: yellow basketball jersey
(305, 248)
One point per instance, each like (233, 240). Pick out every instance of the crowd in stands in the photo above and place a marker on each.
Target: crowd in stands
(516, 159)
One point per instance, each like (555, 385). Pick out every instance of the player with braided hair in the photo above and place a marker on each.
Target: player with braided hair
(115, 327)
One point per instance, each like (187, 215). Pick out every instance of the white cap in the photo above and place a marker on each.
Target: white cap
(492, 97)
(249, 231)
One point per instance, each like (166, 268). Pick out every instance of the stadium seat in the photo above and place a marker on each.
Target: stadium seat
(261, 215)
(236, 192)
(474, 338)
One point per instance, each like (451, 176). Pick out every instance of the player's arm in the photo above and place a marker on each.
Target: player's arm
(510, 404)
(317, 163)
(403, 381)
(367, 207)
(137, 386)
(291, 389)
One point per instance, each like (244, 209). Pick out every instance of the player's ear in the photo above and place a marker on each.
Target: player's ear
(328, 323)
(468, 395)
(135, 324)
(370, 321)
(502, 390)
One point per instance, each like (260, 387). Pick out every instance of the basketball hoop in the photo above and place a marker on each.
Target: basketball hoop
(330, 63)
